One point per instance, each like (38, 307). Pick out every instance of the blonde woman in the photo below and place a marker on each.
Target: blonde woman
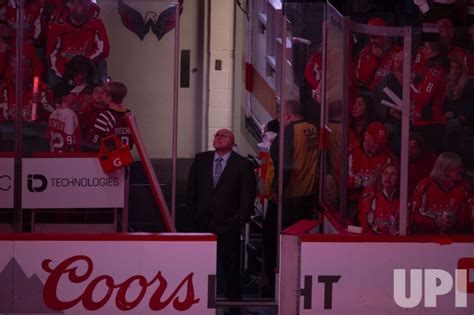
(440, 202)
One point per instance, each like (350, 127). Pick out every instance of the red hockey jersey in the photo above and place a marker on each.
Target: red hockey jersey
(64, 131)
(363, 170)
(32, 18)
(111, 122)
(379, 212)
(370, 69)
(435, 210)
(420, 67)
(66, 41)
(428, 97)
(312, 70)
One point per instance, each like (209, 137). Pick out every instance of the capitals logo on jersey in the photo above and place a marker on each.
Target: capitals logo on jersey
(159, 24)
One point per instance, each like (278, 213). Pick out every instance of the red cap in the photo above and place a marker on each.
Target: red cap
(378, 132)
(377, 22)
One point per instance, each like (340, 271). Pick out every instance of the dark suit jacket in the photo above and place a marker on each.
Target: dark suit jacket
(231, 202)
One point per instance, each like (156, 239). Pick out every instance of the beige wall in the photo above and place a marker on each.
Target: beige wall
(207, 29)
(147, 69)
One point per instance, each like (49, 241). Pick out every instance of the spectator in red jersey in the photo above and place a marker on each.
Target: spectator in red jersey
(427, 96)
(56, 10)
(362, 114)
(43, 98)
(446, 40)
(420, 161)
(77, 34)
(8, 51)
(375, 59)
(31, 18)
(458, 105)
(379, 206)
(366, 162)
(112, 121)
(63, 131)
(440, 202)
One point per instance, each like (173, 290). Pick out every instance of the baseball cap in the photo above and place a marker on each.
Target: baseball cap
(378, 132)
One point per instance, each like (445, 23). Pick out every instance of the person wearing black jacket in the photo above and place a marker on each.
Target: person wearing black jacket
(221, 194)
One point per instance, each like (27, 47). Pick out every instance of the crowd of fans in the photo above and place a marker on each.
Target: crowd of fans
(65, 47)
(441, 130)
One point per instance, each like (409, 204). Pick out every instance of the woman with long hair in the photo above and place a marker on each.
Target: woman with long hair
(379, 206)
(440, 201)
(361, 116)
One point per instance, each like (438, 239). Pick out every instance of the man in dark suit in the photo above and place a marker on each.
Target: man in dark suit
(221, 194)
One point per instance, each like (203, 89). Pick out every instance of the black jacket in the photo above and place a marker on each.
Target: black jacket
(231, 202)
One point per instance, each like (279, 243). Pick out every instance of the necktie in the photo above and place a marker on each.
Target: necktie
(217, 170)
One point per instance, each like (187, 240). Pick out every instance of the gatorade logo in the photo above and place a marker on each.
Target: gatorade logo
(117, 162)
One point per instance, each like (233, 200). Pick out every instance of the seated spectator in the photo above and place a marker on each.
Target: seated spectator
(63, 126)
(112, 121)
(43, 98)
(78, 77)
(458, 105)
(362, 114)
(420, 161)
(379, 207)
(446, 40)
(427, 96)
(366, 162)
(440, 202)
(375, 59)
(78, 34)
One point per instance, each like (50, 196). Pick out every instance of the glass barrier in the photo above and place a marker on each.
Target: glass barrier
(441, 137)
(72, 56)
(408, 125)
(376, 195)
(334, 80)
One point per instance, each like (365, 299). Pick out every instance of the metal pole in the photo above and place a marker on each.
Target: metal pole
(150, 173)
(405, 132)
(323, 119)
(281, 135)
(175, 114)
(18, 216)
(344, 120)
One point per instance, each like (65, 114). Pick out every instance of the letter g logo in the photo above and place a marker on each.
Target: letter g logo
(37, 183)
(117, 162)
